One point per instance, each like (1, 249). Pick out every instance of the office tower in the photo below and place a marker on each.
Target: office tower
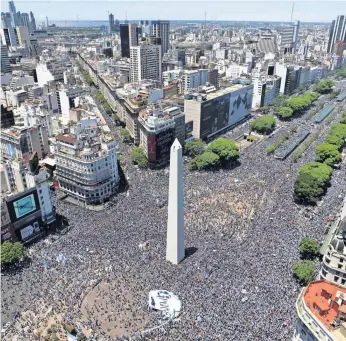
(6, 20)
(337, 32)
(13, 13)
(19, 19)
(111, 23)
(9, 36)
(160, 29)
(5, 62)
(125, 40)
(175, 249)
(128, 38)
(289, 38)
(117, 26)
(145, 62)
(32, 22)
(25, 20)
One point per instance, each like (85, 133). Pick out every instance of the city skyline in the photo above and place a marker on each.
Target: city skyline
(171, 10)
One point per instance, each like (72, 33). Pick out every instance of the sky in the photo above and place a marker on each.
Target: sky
(274, 10)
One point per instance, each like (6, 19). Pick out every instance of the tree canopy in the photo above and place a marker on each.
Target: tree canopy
(280, 101)
(138, 157)
(343, 119)
(311, 182)
(194, 148)
(308, 248)
(265, 109)
(284, 112)
(226, 149)
(125, 135)
(11, 252)
(323, 86)
(264, 125)
(337, 135)
(304, 271)
(328, 154)
(206, 161)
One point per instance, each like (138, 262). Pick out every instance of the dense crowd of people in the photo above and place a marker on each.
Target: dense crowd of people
(236, 284)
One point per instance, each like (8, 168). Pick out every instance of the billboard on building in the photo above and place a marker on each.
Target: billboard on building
(224, 111)
(159, 147)
(22, 205)
(8, 233)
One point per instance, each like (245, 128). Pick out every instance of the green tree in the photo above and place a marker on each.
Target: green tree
(227, 150)
(125, 135)
(343, 119)
(139, 158)
(206, 161)
(328, 154)
(280, 101)
(311, 182)
(265, 109)
(308, 248)
(194, 148)
(337, 135)
(284, 112)
(11, 252)
(304, 271)
(334, 93)
(298, 103)
(264, 125)
(324, 86)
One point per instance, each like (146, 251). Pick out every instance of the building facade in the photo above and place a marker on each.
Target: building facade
(86, 164)
(217, 111)
(160, 29)
(146, 63)
(337, 32)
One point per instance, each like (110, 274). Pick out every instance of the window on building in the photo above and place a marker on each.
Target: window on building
(343, 281)
(336, 278)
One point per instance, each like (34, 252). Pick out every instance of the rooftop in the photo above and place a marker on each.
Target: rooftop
(66, 138)
(327, 301)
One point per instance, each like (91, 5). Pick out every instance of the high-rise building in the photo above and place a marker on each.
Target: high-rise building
(111, 23)
(337, 32)
(32, 22)
(116, 26)
(9, 36)
(25, 20)
(289, 38)
(146, 62)
(6, 20)
(321, 309)
(13, 13)
(128, 38)
(5, 62)
(160, 29)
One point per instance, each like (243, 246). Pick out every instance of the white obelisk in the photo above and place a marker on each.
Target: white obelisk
(175, 250)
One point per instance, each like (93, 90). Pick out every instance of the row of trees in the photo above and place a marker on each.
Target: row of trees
(314, 177)
(104, 102)
(304, 269)
(221, 152)
(285, 107)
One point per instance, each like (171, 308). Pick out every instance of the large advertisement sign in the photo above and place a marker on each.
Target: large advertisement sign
(221, 112)
(164, 141)
(23, 205)
(241, 102)
(159, 146)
